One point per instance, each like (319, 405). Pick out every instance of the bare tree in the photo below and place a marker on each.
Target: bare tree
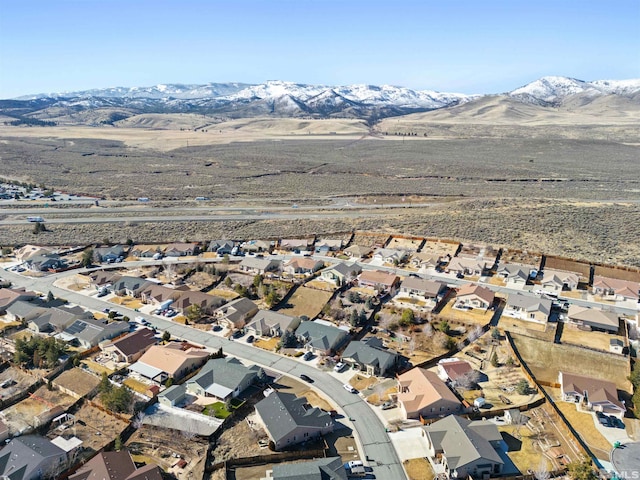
(428, 329)
(468, 380)
(412, 346)
(541, 472)
(138, 420)
(475, 334)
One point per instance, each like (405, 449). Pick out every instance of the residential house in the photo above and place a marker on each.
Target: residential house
(145, 251)
(513, 274)
(594, 319)
(379, 280)
(257, 246)
(109, 254)
(88, 332)
(267, 323)
(156, 294)
(325, 245)
(461, 448)
(426, 261)
(598, 395)
(289, 420)
(236, 313)
(341, 273)
(422, 394)
(21, 310)
(525, 307)
(224, 379)
(181, 249)
(293, 244)
(474, 296)
(389, 255)
(9, 296)
(45, 263)
(221, 247)
(469, 266)
(187, 298)
(55, 319)
(302, 266)
(330, 468)
(4, 431)
(173, 360)
(357, 251)
(615, 289)
(31, 457)
(115, 466)
(131, 347)
(102, 278)
(320, 337)
(427, 290)
(28, 251)
(129, 286)
(452, 369)
(556, 281)
(258, 265)
(370, 356)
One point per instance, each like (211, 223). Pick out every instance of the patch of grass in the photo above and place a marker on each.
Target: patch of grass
(419, 469)
(305, 301)
(360, 382)
(269, 344)
(217, 409)
(136, 386)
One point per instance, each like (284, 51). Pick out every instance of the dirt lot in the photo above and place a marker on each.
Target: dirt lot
(301, 389)
(475, 316)
(305, 301)
(598, 340)
(36, 409)
(77, 381)
(400, 243)
(21, 378)
(419, 469)
(369, 239)
(166, 447)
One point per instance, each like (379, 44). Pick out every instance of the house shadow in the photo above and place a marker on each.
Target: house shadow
(513, 444)
(482, 377)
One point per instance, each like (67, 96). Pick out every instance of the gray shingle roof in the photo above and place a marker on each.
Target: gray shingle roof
(320, 336)
(228, 372)
(284, 412)
(321, 469)
(529, 304)
(24, 455)
(370, 352)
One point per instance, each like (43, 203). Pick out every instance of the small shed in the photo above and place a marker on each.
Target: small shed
(616, 346)
(513, 416)
(479, 402)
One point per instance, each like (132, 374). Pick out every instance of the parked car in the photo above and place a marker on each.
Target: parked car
(339, 367)
(307, 356)
(216, 328)
(250, 339)
(306, 378)
(389, 405)
(349, 388)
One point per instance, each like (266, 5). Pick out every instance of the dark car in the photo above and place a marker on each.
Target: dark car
(250, 338)
(459, 275)
(238, 334)
(306, 378)
(217, 328)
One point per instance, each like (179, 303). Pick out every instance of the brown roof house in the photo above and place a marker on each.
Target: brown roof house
(474, 296)
(378, 279)
(129, 348)
(341, 273)
(181, 249)
(237, 312)
(173, 360)
(115, 466)
(555, 281)
(524, 307)
(302, 266)
(259, 266)
(598, 395)
(422, 394)
(8, 296)
(615, 289)
(594, 319)
(421, 288)
(469, 266)
(452, 369)
(357, 251)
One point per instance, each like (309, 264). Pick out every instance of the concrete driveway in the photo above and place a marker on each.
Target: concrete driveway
(410, 443)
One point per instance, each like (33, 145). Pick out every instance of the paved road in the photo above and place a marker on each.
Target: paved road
(368, 429)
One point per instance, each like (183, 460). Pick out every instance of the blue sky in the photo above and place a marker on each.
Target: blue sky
(446, 45)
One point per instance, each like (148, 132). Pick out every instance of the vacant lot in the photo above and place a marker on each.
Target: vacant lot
(474, 316)
(546, 359)
(598, 340)
(304, 301)
(36, 410)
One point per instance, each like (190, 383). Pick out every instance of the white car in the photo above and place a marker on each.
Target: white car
(339, 367)
(349, 388)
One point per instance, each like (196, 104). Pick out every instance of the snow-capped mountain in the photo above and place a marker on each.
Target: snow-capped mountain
(288, 99)
(553, 91)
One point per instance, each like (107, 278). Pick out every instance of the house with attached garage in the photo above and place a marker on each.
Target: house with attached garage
(461, 448)
(379, 280)
(357, 251)
(9, 296)
(145, 251)
(173, 360)
(31, 457)
(320, 337)
(289, 420)
(427, 290)
(302, 266)
(182, 249)
(221, 247)
(468, 266)
(223, 378)
(556, 281)
(257, 246)
(54, 319)
(115, 466)
(293, 244)
(389, 255)
(422, 394)
(452, 369)
(89, 332)
(614, 289)
(330, 468)
(593, 319)
(188, 298)
(474, 296)
(513, 274)
(109, 254)
(259, 266)
(325, 245)
(45, 263)
(267, 323)
(370, 356)
(236, 313)
(129, 286)
(426, 261)
(129, 348)
(28, 251)
(598, 395)
(525, 307)
(341, 273)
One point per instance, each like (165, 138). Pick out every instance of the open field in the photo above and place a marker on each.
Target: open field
(598, 340)
(305, 301)
(523, 188)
